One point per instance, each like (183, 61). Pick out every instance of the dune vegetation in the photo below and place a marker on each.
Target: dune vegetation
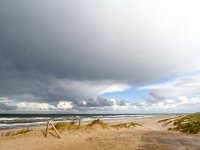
(61, 126)
(17, 132)
(186, 123)
(126, 125)
(95, 123)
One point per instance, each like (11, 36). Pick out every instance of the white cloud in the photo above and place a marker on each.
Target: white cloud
(185, 85)
(88, 89)
(5, 100)
(183, 92)
(64, 105)
(34, 106)
(113, 88)
(159, 85)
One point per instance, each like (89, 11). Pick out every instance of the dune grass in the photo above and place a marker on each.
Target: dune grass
(18, 132)
(97, 122)
(168, 122)
(61, 126)
(126, 125)
(168, 119)
(188, 124)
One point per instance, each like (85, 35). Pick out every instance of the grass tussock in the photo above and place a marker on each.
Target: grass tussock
(126, 125)
(66, 126)
(165, 124)
(19, 132)
(168, 119)
(97, 122)
(188, 124)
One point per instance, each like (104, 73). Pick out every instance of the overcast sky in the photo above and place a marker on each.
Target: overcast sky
(102, 56)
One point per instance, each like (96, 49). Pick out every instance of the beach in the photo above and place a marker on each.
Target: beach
(98, 138)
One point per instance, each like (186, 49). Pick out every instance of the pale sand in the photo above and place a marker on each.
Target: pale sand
(94, 139)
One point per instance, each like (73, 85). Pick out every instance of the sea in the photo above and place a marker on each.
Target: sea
(11, 121)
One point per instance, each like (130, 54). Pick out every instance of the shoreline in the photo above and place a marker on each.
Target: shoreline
(17, 123)
(108, 120)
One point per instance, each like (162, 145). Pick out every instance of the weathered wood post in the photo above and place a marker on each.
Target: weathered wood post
(72, 119)
(55, 130)
(49, 122)
(47, 128)
(79, 123)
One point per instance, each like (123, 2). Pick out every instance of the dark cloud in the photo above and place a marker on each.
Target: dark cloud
(98, 102)
(62, 39)
(52, 50)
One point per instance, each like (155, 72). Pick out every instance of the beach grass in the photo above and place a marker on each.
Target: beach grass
(97, 122)
(188, 124)
(66, 126)
(18, 132)
(126, 125)
(168, 119)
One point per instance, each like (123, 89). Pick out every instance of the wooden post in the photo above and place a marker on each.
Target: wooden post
(49, 122)
(55, 130)
(79, 123)
(72, 120)
(47, 128)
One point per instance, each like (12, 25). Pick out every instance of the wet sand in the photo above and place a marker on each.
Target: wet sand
(151, 135)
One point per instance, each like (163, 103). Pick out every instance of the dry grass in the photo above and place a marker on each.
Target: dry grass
(66, 126)
(18, 132)
(126, 125)
(165, 124)
(168, 119)
(94, 123)
(188, 124)
(97, 122)
(63, 126)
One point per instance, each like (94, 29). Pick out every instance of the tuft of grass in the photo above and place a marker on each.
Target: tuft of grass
(14, 133)
(97, 122)
(168, 119)
(66, 126)
(188, 124)
(126, 125)
(165, 124)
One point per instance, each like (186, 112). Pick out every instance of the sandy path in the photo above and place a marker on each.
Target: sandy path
(162, 140)
(157, 137)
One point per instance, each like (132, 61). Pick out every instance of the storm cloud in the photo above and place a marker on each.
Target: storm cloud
(73, 49)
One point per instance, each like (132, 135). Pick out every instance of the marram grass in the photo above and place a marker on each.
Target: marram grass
(188, 124)
(66, 126)
(97, 122)
(126, 125)
(18, 132)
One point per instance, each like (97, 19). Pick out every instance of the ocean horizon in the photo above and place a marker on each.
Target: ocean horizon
(11, 121)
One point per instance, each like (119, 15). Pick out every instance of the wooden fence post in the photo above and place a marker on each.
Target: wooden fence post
(55, 130)
(47, 128)
(49, 122)
(79, 123)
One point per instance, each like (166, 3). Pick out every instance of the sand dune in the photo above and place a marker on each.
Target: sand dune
(91, 139)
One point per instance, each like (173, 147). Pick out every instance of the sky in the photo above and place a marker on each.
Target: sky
(102, 56)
